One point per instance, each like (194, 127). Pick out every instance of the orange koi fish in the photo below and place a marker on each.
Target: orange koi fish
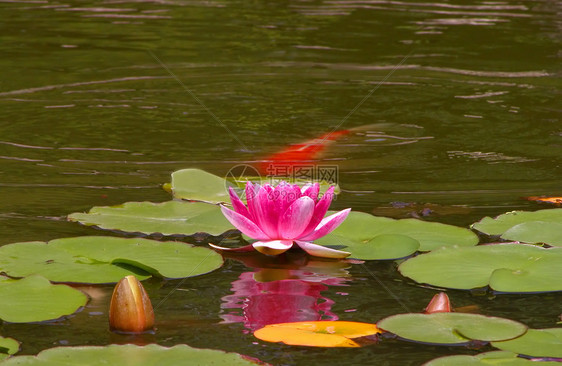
(283, 162)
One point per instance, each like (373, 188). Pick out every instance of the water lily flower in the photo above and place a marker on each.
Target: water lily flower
(282, 216)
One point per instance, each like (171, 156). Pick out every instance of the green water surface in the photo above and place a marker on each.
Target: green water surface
(102, 100)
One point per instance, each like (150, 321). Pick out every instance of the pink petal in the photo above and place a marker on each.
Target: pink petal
(327, 225)
(251, 192)
(243, 224)
(273, 247)
(246, 248)
(265, 214)
(237, 204)
(296, 218)
(320, 251)
(319, 211)
(312, 191)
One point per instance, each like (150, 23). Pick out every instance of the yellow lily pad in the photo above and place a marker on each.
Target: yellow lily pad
(317, 333)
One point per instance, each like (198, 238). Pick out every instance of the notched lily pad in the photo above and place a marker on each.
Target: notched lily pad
(536, 232)
(371, 237)
(451, 328)
(504, 267)
(35, 299)
(131, 355)
(166, 218)
(199, 185)
(8, 346)
(499, 358)
(535, 343)
(317, 333)
(502, 223)
(101, 259)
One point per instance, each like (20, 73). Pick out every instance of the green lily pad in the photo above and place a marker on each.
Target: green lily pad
(129, 354)
(380, 247)
(198, 185)
(35, 299)
(500, 358)
(360, 230)
(535, 343)
(504, 222)
(536, 232)
(101, 259)
(451, 328)
(167, 218)
(8, 346)
(504, 267)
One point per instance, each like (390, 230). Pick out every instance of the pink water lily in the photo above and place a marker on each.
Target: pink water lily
(282, 216)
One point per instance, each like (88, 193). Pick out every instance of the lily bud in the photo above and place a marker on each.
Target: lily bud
(130, 309)
(439, 304)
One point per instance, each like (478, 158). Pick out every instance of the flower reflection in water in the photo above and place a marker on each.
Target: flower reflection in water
(288, 294)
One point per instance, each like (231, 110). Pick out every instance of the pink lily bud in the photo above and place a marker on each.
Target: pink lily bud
(130, 310)
(439, 304)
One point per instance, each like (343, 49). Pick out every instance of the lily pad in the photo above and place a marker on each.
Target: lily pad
(535, 343)
(199, 185)
(316, 333)
(166, 218)
(451, 328)
(101, 259)
(504, 267)
(500, 358)
(131, 355)
(8, 346)
(359, 232)
(504, 222)
(35, 299)
(536, 232)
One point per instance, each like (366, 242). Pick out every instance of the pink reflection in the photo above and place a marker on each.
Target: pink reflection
(289, 296)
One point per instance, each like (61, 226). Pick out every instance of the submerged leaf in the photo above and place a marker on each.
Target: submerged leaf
(317, 333)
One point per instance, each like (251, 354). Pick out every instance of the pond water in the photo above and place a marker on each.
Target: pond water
(102, 100)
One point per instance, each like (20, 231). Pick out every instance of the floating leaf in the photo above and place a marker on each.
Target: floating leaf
(499, 358)
(198, 185)
(451, 328)
(362, 235)
(130, 355)
(167, 218)
(535, 343)
(316, 333)
(504, 267)
(35, 299)
(536, 232)
(101, 259)
(504, 222)
(8, 346)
